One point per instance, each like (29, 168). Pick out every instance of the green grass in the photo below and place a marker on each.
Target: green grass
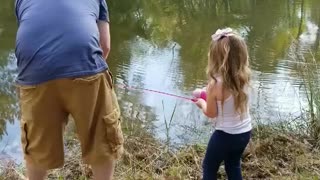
(308, 69)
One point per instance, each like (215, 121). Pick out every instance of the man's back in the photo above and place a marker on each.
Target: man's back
(58, 39)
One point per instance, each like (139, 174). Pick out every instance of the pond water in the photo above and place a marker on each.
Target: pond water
(162, 45)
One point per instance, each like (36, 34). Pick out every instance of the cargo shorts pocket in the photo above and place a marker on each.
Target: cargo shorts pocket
(25, 93)
(114, 134)
(24, 137)
(109, 79)
(87, 79)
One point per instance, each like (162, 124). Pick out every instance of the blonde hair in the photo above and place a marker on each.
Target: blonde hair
(228, 58)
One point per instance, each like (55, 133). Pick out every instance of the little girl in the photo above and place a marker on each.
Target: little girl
(227, 101)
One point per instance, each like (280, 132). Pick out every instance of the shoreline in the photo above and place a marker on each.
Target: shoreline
(271, 154)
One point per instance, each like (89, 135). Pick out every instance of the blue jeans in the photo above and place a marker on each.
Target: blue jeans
(228, 148)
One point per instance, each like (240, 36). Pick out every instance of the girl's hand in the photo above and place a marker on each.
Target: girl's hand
(200, 103)
(209, 106)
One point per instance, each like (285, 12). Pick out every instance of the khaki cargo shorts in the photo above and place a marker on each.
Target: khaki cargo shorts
(94, 107)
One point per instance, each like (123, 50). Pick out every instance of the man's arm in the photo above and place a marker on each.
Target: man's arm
(104, 31)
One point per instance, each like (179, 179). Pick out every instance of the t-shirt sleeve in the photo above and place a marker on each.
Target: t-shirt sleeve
(17, 6)
(103, 11)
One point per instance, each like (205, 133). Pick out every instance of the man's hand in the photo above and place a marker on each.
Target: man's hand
(104, 31)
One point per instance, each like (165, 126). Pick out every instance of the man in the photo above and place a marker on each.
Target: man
(61, 48)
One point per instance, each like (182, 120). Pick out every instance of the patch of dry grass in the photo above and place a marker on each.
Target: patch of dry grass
(9, 170)
(271, 156)
(282, 156)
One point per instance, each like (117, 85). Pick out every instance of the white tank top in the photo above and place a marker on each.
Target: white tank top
(230, 121)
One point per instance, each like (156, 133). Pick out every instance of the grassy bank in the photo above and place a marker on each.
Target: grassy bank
(270, 155)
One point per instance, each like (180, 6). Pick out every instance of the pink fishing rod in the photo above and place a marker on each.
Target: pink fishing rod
(154, 91)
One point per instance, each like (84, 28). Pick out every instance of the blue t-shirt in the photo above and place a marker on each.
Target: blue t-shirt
(58, 39)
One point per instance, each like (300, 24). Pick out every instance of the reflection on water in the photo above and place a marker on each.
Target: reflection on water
(162, 45)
